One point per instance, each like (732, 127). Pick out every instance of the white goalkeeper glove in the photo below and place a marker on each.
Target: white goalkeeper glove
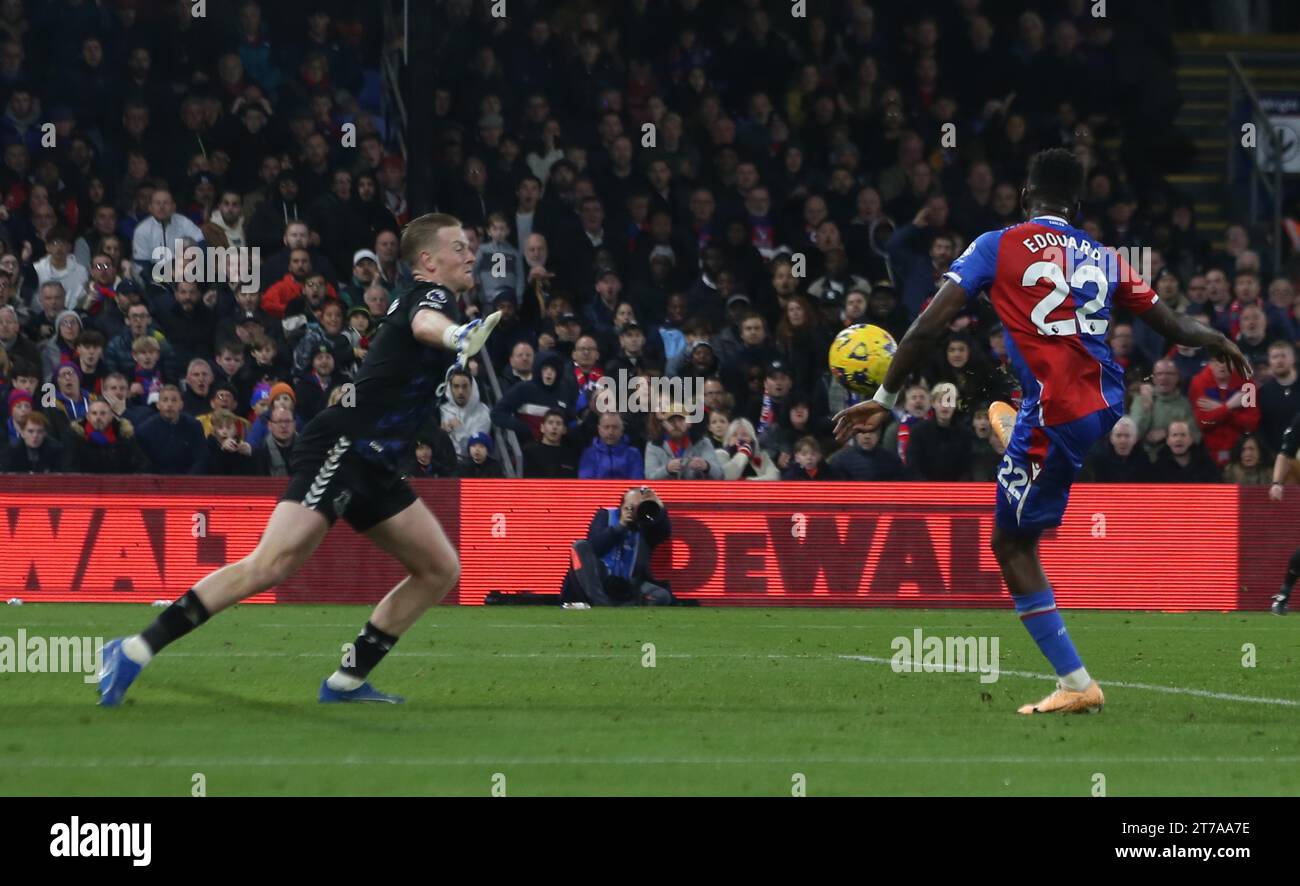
(468, 339)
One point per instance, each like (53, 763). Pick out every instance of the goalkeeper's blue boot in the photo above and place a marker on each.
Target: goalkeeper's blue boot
(116, 673)
(364, 692)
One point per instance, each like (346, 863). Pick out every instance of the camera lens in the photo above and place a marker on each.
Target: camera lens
(647, 512)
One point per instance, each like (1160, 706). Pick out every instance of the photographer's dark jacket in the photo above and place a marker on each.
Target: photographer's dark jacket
(626, 551)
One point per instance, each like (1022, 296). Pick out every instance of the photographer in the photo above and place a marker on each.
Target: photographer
(611, 566)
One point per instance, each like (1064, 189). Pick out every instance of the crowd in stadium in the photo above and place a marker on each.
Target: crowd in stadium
(655, 188)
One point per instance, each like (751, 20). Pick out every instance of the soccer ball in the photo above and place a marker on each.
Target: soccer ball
(860, 357)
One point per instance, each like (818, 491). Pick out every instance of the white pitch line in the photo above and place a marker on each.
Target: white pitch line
(869, 659)
(46, 763)
(631, 653)
(1148, 687)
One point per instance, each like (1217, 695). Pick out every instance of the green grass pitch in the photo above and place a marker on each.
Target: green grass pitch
(739, 702)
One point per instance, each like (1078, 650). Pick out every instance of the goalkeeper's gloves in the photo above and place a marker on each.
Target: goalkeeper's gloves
(468, 339)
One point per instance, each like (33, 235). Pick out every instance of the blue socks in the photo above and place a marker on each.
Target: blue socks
(1043, 620)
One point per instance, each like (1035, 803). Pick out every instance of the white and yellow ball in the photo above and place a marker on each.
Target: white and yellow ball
(860, 356)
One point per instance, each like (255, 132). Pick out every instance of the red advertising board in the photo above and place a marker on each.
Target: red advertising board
(144, 538)
(869, 544)
(838, 544)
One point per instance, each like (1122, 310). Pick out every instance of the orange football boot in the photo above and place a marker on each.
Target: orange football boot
(1069, 701)
(1003, 419)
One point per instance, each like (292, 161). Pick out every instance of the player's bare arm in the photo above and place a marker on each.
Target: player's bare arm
(1281, 465)
(917, 344)
(1183, 330)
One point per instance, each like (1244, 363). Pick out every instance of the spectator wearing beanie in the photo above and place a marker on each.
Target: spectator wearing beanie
(313, 389)
(273, 455)
(281, 394)
(259, 404)
(62, 347)
(479, 462)
(18, 407)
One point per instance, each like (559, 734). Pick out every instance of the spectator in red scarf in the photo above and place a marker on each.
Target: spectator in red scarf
(103, 444)
(916, 408)
(809, 464)
(587, 371)
(671, 455)
(741, 456)
(229, 454)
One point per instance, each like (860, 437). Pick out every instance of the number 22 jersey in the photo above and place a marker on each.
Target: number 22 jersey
(1054, 287)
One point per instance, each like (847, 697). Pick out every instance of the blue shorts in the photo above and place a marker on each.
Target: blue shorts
(1039, 467)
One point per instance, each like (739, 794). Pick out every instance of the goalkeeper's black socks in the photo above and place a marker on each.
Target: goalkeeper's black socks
(369, 650)
(174, 622)
(1292, 575)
